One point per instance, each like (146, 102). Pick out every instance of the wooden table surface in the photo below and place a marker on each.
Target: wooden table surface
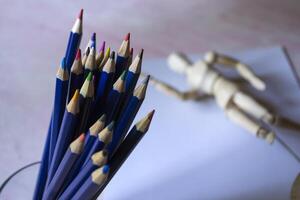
(33, 38)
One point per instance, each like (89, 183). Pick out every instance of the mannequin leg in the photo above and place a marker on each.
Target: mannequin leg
(252, 107)
(240, 118)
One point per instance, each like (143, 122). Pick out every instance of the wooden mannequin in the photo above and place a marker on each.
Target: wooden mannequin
(204, 79)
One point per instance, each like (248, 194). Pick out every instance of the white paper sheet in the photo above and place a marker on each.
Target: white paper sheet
(192, 151)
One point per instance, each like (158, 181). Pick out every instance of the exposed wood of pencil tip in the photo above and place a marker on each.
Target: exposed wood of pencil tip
(77, 145)
(140, 91)
(87, 89)
(110, 65)
(143, 124)
(77, 27)
(91, 60)
(73, 106)
(105, 58)
(98, 125)
(135, 66)
(119, 85)
(99, 176)
(100, 158)
(77, 67)
(62, 73)
(124, 49)
(106, 134)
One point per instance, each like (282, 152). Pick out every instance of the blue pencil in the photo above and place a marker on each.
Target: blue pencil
(97, 160)
(92, 184)
(90, 64)
(127, 146)
(64, 167)
(66, 134)
(104, 86)
(114, 97)
(131, 79)
(74, 41)
(76, 75)
(61, 90)
(104, 138)
(128, 115)
(122, 56)
(43, 170)
(86, 97)
(90, 139)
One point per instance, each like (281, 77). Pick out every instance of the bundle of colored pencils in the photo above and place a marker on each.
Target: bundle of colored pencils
(95, 103)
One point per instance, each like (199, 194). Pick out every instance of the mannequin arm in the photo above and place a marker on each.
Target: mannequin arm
(172, 91)
(242, 69)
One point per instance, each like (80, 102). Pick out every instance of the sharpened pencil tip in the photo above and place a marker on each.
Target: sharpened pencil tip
(81, 137)
(102, 47)
(80, 14)
(150, 115)
(122, 77)
(78, 54)
(89, 77)
(93, 37)
(76, 95)
(146, 80)
(141, 53)
(102, 118)
(127, 37)
(105, 169)
(112, 55)
(111, 126)
(131, 51)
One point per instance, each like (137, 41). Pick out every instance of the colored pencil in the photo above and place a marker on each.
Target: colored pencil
(127, 146)
(74, 41)
(122, 56)
(92, 184)
(105, 58)
(130, 57)
(85, 56)
(66, 133)
(97, 160)
(64, 167)
(90, 64)
(86, 97)
(95, 103)
(104, 138)
(43, 170)
(100, 55)
(90, 139)
(61, 90)
(91, 43)
(128, 115)
(98, 59)
(104, 86)
(114, 97)
(131, 79)
(76, 75)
